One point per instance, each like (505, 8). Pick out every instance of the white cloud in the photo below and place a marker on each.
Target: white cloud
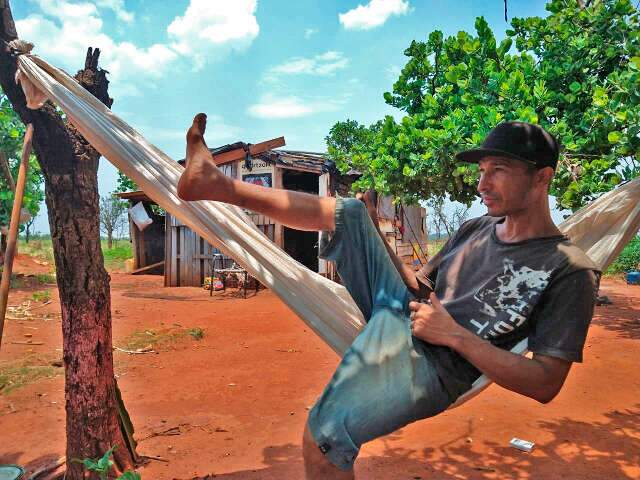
(64, 29)
(209, 29)
(271, 106)
(374, 14)
(118, 8)
(321, 65)
(309, 32)
(125, 62)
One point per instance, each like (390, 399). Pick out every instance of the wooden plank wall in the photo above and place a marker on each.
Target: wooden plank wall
(188, 256)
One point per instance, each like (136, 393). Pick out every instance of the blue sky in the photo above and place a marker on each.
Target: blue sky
(259, 69)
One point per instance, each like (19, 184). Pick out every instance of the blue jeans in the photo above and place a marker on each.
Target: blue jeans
(384, 381)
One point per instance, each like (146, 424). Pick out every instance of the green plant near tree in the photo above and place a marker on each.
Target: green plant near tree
(576, 72)
(102, 466)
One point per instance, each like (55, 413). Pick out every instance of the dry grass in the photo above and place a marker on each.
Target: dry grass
(158, 339)
(18, 373)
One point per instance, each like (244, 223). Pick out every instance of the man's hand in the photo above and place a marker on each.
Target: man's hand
(432, 323)
(540, 377)
(370, 199)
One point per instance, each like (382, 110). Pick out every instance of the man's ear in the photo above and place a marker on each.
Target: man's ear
(545, 176)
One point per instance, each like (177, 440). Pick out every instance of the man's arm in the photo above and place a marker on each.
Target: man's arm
(540, 378)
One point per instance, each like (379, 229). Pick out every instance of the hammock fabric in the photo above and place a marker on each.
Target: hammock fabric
(601, 229)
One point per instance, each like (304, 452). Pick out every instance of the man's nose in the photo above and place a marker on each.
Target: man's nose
(483, 183)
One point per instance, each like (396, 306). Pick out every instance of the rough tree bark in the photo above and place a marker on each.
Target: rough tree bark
(69, 165)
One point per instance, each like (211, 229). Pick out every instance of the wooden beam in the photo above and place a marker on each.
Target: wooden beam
(12, 243)
(239, 153)
(147, 268)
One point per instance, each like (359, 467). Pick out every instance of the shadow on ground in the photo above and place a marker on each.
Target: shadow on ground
(615, 447)
(621, 317)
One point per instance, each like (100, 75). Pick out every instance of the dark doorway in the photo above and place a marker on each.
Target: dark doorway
(303, 246)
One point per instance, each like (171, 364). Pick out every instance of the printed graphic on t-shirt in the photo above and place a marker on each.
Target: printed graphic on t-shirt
(507, 299)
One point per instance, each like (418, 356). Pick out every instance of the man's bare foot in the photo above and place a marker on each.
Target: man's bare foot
(201, 180)
(195, 136)
(370, 199)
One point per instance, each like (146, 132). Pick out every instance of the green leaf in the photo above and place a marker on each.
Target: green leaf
(575, 87)
(614, 137)
(451, 76)
(635, 61)
(90, 465)
(130, 476)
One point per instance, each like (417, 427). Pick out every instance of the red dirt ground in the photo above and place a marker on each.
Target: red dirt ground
(239, 397)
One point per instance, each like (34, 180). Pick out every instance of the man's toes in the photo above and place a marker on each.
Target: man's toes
(198, 126)
(200, 120)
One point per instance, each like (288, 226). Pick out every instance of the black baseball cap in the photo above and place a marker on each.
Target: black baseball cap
(517, 140)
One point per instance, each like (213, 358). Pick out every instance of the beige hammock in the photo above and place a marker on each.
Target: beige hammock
(601, 229)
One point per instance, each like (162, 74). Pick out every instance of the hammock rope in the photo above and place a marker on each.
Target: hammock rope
(601, 229)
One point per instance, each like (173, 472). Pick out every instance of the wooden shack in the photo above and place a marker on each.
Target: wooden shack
(188, 257)
(148, 245)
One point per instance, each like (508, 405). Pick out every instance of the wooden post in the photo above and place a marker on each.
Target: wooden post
(14, 226)
(278, 229)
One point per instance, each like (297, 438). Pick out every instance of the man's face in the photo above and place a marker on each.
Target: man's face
(505, 185)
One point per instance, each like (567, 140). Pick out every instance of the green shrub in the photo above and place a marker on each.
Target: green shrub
(628, 260)
(197, 333)
(103, 465)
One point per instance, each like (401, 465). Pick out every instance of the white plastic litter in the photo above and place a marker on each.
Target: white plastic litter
(140, 216)
(524, 445)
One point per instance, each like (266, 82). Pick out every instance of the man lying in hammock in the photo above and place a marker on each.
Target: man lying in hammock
(500, 278)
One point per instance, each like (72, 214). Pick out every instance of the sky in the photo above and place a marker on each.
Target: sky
(259, 68)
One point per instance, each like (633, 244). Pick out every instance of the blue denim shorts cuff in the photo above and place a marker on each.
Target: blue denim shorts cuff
(329, 249)
(342, 460)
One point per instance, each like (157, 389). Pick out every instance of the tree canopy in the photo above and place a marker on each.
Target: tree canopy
(576, 72)
(11, 135)
(125, 184)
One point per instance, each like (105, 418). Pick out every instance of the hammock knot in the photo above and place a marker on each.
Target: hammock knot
(20, 47)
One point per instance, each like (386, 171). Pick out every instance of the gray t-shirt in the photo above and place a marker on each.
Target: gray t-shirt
(540, 288)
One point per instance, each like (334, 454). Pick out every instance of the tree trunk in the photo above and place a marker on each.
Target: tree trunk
(109, 239)
(69, 165)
